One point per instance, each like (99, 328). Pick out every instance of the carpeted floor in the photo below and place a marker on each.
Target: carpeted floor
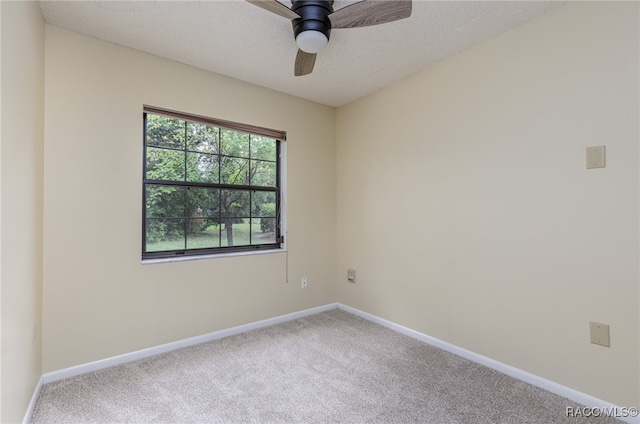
(331, 367)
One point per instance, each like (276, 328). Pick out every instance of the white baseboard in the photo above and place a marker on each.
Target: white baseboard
(145, 353)
(558, 389)
(34, 399)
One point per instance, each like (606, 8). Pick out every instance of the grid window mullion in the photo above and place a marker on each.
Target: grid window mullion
(236, 210)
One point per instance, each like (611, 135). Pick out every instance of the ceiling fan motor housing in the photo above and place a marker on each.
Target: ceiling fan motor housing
(314, 16)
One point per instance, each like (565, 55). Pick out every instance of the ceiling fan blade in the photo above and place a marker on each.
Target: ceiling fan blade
(275, 7)
(304, 63)
(370, 12)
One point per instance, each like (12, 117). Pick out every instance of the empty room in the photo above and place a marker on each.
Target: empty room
(320, 211)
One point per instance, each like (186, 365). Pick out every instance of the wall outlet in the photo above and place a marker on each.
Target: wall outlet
(303, 282)
(351, 275)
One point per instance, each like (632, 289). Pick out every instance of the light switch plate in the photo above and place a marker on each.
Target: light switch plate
(595, 157)
(599, 333)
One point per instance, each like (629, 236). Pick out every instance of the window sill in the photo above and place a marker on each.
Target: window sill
(214, 256)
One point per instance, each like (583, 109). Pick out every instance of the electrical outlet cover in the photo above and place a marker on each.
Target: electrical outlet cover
(595, 157)
(351, 275)
(599, 333)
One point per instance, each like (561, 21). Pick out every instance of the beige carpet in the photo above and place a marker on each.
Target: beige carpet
(331, 367)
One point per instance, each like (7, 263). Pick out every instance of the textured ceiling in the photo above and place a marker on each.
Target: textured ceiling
(237, 39)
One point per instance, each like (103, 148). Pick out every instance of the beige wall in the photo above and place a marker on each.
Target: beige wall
(22, 94)
(466, 209)
(99, 300)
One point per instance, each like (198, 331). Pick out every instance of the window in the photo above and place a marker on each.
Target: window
(209, 186)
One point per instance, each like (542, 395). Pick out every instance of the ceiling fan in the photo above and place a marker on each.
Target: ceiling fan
(313, 21)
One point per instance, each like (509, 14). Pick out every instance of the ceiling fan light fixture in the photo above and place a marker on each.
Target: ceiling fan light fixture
(312, 21)
(311, 41)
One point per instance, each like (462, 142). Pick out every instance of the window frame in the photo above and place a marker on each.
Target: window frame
(196, 253)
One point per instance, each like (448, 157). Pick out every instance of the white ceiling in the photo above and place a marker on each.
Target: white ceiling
(237, 39)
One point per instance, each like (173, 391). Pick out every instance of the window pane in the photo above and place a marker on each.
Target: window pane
(234, 143)
(202, 167)
(165, 132)
(263, 148)
(164, 201)
(234, 171)
(263, 204)
(202, 138)
(164, 164)
(197, 180)
(203, 202)
(263, 173)
(263, 230)
(235, 232)
(164, 234)
(234, 203)
(202, 233)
